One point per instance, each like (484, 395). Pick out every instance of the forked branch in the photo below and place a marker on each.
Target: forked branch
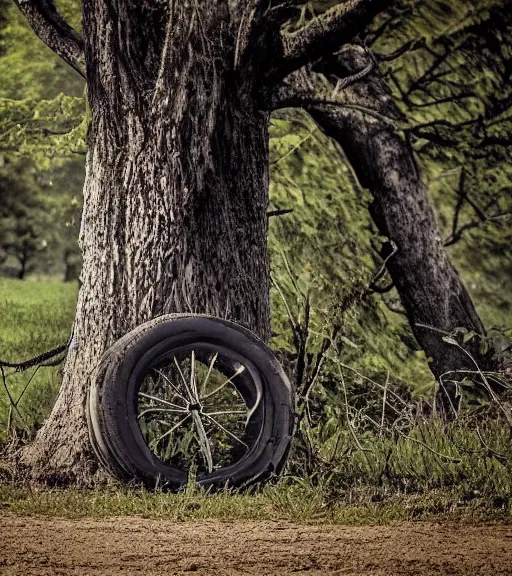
(54, 31)
(325, 34)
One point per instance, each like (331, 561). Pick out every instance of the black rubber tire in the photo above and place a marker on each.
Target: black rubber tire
(111, 412)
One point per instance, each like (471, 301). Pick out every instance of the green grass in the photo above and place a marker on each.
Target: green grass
(293, 501)
(34, 317)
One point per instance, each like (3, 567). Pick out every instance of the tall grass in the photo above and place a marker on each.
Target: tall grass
(472, 459)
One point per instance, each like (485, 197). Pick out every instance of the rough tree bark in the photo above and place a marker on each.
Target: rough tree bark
(432, 292)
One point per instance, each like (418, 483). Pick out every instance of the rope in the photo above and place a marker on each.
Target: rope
(39, 360)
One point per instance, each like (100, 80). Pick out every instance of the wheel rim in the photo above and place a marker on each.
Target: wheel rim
(199, 409)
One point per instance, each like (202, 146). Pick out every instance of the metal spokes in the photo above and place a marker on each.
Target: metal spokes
(195, 410)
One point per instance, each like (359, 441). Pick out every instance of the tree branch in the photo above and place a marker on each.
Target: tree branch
(477, 222)
(307, 103)
(482, 215)
(54, 31)
(407, 47)
(325, 34)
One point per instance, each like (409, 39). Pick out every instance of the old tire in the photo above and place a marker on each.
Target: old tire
(113, 407)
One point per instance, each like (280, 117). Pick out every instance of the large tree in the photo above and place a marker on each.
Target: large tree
(176, 192)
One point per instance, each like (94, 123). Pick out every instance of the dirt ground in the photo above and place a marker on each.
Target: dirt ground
(40, 546)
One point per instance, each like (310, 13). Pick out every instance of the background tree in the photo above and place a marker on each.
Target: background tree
(39, 219)
(24, 224)
(63, 183)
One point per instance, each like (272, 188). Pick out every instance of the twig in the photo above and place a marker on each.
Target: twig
(13, 404)
(501, 457)
(394, 394)
(295, 148)
(410, 45)
(454, 342)
(288, 269)
(382, 269)
(421, 443)
(287, 308)
(349, 423)
(383, 415)
(279, 212)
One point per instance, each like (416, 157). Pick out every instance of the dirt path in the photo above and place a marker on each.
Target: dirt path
(129, 546)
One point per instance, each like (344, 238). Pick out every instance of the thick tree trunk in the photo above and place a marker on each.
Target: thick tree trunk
(433, 295)
(175, 199)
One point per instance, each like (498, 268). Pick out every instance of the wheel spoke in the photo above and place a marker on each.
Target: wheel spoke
(184, 380)
(171, 430)
(210, 368)
(161, 400)
(165, 410)
(193, 382)
(178, 393)
(224, 384)
(252, 410)
(225, 412)
(203, 441)
(226, 431)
